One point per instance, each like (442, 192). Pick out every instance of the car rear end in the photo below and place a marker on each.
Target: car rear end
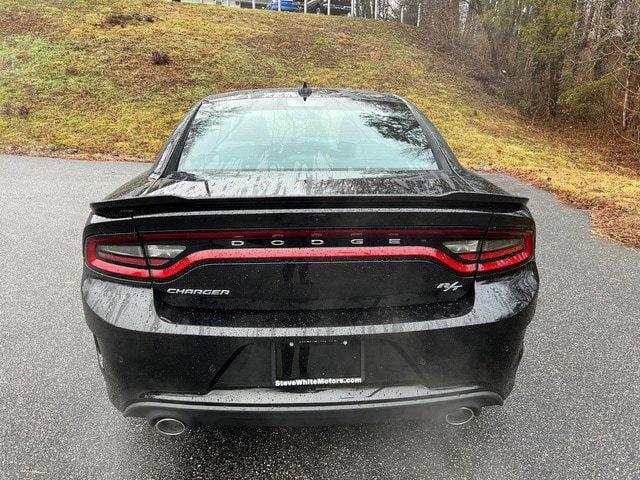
(308, 309)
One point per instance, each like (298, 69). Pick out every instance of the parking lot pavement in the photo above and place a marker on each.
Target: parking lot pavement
(573, 414)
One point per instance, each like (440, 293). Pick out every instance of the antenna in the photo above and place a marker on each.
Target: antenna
(305, 92)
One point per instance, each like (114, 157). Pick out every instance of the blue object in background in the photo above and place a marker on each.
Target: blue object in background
(285, 6)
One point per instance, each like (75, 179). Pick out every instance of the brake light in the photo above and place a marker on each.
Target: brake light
(124, 256)
(499, 251)
(119, 255)
(505, 250)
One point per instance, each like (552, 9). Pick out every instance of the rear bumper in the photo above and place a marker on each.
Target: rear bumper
(326, 407)
(206, 374)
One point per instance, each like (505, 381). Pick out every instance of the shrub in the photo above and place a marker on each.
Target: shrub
(587, 102)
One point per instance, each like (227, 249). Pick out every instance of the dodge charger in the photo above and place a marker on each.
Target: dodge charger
(303, 257)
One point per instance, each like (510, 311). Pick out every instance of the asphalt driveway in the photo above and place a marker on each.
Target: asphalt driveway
(575, 411)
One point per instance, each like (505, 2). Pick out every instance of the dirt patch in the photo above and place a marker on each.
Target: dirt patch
(98, 157)
(21, 23)
(158, 58)
(123, 20)
(626, 158)
(11, 110)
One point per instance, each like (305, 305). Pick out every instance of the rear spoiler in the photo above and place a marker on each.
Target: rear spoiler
(170, 203)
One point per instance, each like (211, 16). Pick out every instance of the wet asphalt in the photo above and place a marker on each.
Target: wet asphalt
(574, 412)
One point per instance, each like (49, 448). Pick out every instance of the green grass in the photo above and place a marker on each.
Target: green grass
(69, 79)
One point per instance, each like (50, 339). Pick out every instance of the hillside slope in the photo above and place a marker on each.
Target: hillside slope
(79, 75)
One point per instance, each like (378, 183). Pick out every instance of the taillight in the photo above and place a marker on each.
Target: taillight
(163, 256)
(118, 255)
(499, 251)
(505, 250)
(125, 256)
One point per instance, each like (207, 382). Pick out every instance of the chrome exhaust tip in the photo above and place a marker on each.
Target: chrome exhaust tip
(170, 427)
(459, 416)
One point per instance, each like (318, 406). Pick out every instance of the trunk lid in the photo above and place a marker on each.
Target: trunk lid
(309, 242)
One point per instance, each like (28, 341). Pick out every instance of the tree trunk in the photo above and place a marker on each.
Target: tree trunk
(553, 87)
(604, 39)
(454, 12)
(585, 29)
(625, 102)
(493, 51)
(469, 26)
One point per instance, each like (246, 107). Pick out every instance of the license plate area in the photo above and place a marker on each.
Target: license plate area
(317, 362)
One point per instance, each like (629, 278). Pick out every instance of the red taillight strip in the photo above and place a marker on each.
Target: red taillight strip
(119, 269)
(141, 262)
(503, 263)
(102, 261)
(318, 252)
(501, 253)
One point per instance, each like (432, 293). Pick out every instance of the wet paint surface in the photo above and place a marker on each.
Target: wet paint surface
(132, 308)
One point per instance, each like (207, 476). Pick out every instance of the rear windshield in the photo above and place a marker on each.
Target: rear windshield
(321, 133)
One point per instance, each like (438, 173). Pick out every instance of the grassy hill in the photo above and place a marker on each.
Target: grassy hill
(81, 75)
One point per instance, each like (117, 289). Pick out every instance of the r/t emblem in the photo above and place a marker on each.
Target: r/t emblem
(445, 287)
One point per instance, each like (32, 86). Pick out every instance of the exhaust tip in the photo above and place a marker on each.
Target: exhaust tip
(460, 416)
(170, 427)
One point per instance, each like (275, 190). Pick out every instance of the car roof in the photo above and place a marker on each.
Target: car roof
(364, 95)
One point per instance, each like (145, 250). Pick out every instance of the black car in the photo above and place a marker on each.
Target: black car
(307, 257)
